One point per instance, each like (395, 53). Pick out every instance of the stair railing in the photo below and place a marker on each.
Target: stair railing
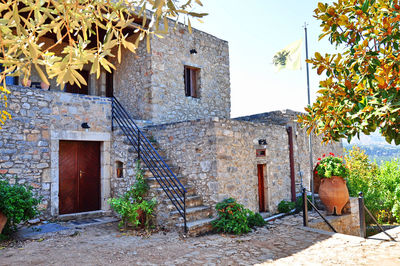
(305, 211)
(362, 209)
(167, 180)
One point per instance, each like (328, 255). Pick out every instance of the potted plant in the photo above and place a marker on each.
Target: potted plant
(133, 208)
(17, 204)
(332, 190)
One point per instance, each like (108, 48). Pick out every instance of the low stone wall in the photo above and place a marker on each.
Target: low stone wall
(348, 223)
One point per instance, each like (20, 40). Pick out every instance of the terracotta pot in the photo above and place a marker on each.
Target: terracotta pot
(3, 221)
(44, 86)
(317, 180)
(26, 82)
(333, 194)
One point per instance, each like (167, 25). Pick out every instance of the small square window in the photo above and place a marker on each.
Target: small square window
(192, 81)
(260, 153)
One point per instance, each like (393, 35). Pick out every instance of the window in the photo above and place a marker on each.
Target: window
(192, 81)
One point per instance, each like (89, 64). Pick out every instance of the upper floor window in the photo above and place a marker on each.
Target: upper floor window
(192, 81)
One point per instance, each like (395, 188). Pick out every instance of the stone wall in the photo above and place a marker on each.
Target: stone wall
(218, 156)
(169, 56)
(301, 143)
(132, 82)
(29, 142)
(348, 223)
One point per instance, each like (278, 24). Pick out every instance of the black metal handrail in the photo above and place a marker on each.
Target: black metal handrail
(362, 210)
(170, 184)
(305, 211)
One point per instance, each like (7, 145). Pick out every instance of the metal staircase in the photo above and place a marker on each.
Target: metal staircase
(161, 172)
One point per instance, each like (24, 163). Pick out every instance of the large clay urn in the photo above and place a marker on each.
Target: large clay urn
(3, 221)
(333, 194)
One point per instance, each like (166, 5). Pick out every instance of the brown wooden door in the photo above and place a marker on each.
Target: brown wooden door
(261, 194)
(79, 174)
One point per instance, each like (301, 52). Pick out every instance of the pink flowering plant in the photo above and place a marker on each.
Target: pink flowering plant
(330, 166)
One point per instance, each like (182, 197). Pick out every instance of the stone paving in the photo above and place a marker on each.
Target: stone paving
(283, 242)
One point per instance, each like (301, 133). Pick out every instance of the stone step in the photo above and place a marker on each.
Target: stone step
(193, 214)
(152, 181)
(148, 174)
(159, 192)
(191, 201)
(197, 227)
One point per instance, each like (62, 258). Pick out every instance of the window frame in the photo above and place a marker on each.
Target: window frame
(192, 81)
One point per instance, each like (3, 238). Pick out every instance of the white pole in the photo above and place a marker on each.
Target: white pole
(310, 136)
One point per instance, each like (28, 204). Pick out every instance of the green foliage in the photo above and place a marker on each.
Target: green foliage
(132, 207)
(331, 166)
(255, 219)
(360, 92)
(17, 203)
(286, 206)
(234, 218)
(299, 203)
(380, 185)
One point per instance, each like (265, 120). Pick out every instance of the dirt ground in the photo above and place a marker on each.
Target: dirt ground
(281, 243)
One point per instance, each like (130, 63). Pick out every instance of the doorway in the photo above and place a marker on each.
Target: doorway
(79, 176)
(261, 188)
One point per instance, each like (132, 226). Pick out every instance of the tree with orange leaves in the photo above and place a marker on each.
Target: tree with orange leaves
(361, 90)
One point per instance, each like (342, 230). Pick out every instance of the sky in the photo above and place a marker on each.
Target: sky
(256, 30)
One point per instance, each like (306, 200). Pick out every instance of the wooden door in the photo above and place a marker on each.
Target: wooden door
(79, 176)
(261, 188)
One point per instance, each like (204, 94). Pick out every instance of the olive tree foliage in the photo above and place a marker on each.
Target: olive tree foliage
(360, 92)
(76, 27)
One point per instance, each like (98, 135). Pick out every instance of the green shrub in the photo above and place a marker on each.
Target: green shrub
(17, 203)
(234, 218)
(286, 206)
(299, 203)
(255, 219)
(130, 205)
(380, 185)
(331, 166)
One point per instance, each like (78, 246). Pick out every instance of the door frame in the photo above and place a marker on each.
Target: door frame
(105, 164)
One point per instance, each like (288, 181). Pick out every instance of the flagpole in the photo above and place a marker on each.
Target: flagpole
(310, 136)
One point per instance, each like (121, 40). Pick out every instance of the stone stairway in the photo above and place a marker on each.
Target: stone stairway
(198, 216)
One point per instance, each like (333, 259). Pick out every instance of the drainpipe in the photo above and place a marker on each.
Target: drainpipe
(289, 130)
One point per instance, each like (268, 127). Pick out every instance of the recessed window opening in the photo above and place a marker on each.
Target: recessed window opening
(192, 81)
(120, 169)
(260, 153)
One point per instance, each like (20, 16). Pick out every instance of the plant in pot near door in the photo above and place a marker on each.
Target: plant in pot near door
(134, 209)
(17, 204)
(332, 190)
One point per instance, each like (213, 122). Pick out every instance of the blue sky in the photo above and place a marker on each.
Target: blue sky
(256, 30)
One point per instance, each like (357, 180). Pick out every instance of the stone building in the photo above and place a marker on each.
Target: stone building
(68, 147)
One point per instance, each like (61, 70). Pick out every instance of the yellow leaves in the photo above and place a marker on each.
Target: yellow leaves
(318, 56)
(321, 7)
(380, 80)
(343, 20)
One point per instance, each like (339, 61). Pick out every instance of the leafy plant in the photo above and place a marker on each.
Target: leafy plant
(331, 166)
(132, 207)
(299, 203)
(360, 92)
(286, 206)
(379, 184)
(17, 203)
(234, 218)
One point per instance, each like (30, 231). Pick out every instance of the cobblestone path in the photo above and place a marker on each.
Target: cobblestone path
(283, 242)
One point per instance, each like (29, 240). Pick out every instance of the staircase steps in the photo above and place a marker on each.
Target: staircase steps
(152, 181)
(191, 201)
(197, 227)
(193, 213)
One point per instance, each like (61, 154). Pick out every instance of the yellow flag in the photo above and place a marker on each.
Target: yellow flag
(289, 57)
